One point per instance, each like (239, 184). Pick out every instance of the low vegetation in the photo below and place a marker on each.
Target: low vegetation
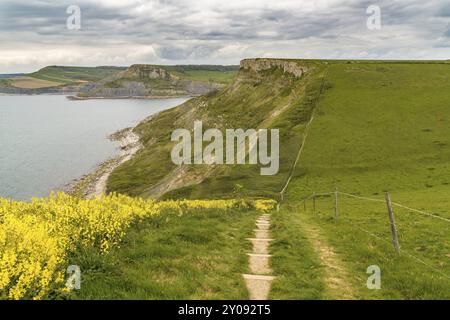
(198, 255)
(59, 76)
(72, 75)
(381, 127)
(39, 240)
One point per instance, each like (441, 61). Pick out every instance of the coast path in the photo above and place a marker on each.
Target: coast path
(260, 280)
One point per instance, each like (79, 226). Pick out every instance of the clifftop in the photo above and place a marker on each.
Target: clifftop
(289, 66)
(144, 80)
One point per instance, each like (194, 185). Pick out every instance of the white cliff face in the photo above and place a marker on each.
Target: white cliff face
(148, 72)
(257, 65)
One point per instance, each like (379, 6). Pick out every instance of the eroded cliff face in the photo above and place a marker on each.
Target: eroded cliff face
(265, 93)
(144, 71)
(289, 66)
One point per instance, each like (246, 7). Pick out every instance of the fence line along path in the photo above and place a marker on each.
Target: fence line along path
(390, 206)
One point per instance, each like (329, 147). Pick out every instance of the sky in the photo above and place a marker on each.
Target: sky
(35, 33)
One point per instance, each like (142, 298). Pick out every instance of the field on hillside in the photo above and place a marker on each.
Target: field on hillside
(71, 75)
(31, 83)
(382, 127)
(53, 76)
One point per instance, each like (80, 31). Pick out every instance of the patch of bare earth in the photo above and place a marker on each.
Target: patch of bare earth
(32, 83)
(336, 276)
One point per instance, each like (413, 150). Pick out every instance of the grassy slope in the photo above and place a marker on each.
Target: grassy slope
(195, 256)
(383, 127)
(223, 77)
(247, 103)
(70, 75)
(206, 73)
(5, 82)
(54, 76)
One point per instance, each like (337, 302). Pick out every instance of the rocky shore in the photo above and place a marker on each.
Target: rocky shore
(94, 184)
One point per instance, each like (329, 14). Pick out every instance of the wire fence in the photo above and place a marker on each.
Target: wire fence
(339, 214)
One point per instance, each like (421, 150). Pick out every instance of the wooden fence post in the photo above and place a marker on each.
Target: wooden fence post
(281, 200)
(393, 226)
(336, 205)
(314, 203)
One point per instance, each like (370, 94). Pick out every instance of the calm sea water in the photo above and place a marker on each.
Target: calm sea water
(47, 141)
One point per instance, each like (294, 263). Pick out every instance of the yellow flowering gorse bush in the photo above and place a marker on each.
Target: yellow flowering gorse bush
(37, 237)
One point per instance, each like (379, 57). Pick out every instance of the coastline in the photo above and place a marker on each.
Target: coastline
(72, 97)
(77, 98)
(94, 184)
(37, 94)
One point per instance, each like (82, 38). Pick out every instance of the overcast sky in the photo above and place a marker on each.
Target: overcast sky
(34, 34)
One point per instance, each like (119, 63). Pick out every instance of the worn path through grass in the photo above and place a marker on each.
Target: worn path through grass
(195, 256)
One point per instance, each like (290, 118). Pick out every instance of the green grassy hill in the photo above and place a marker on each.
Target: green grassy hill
(272, 98)
(70, 75)
(56, 77)
(377, 127)
(382, 127)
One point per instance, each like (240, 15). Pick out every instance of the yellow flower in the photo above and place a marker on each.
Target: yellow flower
(36, 238)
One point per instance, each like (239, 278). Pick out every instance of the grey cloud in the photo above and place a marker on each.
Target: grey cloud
(181, 30)
(185, 53)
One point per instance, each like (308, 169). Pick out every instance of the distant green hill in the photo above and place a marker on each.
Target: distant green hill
(380, 127)
(376, 126)
(10, 75)
(267, 94)
(213, 73)
(71, 75)
(54, 79)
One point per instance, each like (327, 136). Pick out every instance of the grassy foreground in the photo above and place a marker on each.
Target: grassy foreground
(63, 75)
(201, 255)
(41, 239)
